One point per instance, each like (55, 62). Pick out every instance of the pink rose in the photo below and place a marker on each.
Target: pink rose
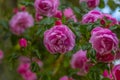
(103, 40)
(59, 39)
(24, 69)
(1, 54)
(91, 3)
(20, 22)
(46, 7)
(107, 74)
(91, 17)
(58, 14)
(110, 18)
(38, 17)
(116, 72)
(79, 60)
(29, 75)
(66, 78)
(69, 14)
(23, 42)
(106, 58)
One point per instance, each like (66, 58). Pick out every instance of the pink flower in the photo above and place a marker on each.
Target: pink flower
(116, 72)
(38, 17)
(59, 39)
(69, 14)
(103, 40)
(79, 60)
(106, 58)
(1, 54)
(46, 7)
(91, 17)
(24, 69)
(91, 3)
(107, 75)
(110, 18)
(23, 42)
(29, 75)
(58, 14)
(66, 78)
(20, 22)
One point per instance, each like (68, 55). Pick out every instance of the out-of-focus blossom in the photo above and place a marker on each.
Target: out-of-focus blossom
(46, 7)
(23, 42)
(69, 14)
(20, 22)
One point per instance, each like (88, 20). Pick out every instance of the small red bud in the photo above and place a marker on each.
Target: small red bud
(58, 22)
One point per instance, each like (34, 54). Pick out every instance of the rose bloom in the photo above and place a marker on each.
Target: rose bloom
(110, 18)
(24, 69)
(79, 61)
(91, 17)
(69, 14)
(46, 7)
(91, 3)
(20, 22)
(59, 39)
(103, 40)
(1, 54)
(116, 72)
(66, 78)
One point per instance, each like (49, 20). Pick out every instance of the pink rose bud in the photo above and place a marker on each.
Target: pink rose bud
(38, 17)
(23, 8)
(15, 10)
(59, 39)
(66, 78)
(1, 54)
(58, 14)
(103, 40)
(20, 22)
(58, 22)
(116, 72)
(46, 7)
(102, 22)
(69, 14)
(106, 74)
(23, 42)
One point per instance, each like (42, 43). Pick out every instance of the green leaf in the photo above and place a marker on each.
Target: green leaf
(102, 4)
(105, 79)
